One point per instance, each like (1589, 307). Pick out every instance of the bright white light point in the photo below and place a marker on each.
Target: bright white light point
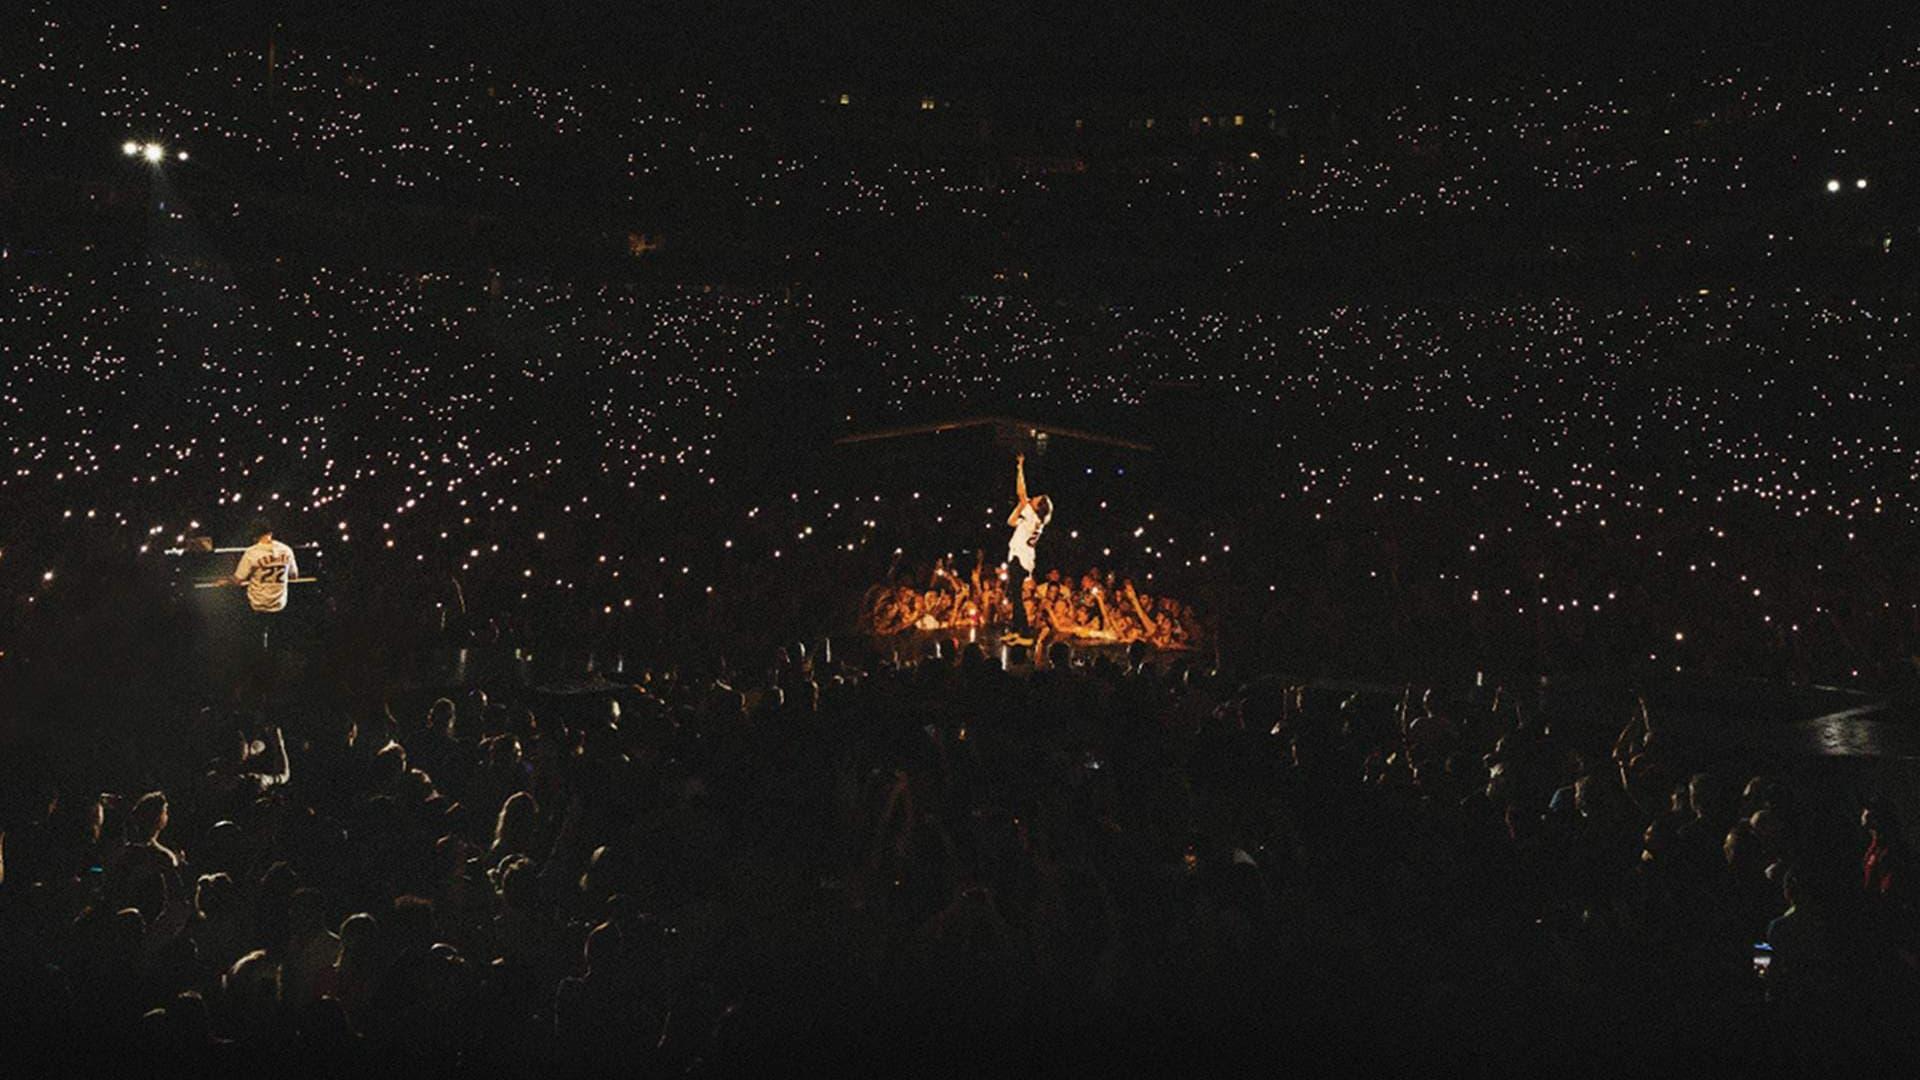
(154, 153)
(130, 148)
(1860, 184)
(1678, 636)
(1833, 185)
(182, 155)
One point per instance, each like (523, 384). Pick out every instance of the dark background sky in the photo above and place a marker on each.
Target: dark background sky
(1015, 48)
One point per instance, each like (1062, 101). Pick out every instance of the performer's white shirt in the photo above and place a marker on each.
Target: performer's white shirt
(1026, 536)
(266, 569)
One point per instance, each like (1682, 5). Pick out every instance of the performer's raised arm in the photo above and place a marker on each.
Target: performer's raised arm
(1019, 488)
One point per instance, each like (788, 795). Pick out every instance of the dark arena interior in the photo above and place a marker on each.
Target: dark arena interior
(598, 539)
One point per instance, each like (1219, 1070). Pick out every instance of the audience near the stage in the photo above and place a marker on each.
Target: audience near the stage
(1088, 609)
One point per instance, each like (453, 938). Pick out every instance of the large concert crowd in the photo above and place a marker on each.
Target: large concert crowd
(770, 831)
(1752, 160)
(1665, 458)
(1717, 485)
(831, 865)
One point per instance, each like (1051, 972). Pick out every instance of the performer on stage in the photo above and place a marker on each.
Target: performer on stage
(265, 569)
(1029, 518)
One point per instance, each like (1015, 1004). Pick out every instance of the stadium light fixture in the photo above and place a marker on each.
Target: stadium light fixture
(153, 153)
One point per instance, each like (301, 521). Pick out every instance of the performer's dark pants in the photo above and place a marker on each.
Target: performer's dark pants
(1017, 593)
(262, 628)
(256, 663)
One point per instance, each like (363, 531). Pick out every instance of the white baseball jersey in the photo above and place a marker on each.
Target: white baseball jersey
(1026, 536)
(266, 569)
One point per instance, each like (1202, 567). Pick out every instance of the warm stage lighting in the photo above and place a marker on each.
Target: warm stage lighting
(154, 153)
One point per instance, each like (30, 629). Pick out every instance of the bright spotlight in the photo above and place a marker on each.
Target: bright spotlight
(154, 153)
(1833, 186)
(182, 155)
(1861, 183)
(130, 148)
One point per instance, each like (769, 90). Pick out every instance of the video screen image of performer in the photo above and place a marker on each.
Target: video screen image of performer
(1028, 519)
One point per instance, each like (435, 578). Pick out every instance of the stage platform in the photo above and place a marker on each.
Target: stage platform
(911, 645)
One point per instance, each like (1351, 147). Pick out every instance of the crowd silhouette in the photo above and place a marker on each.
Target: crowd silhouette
(896, 863)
